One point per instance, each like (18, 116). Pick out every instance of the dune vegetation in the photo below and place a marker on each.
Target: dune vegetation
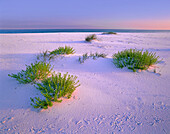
(109, 33)
(92, 55)
(48, 55)
(54, 88)
(90, 38)
(34, 72)
(135, 59)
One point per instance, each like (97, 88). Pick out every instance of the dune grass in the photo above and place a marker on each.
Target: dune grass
(92, 55)
(37, 71)
(54, 88)
(43, 56)
(48, 55)
(90, 38)
(109, 33)
(135, 59)
(63, 50)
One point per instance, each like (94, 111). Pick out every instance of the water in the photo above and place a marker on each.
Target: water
(9, 31)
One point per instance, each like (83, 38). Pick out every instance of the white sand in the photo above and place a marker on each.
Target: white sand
(109, 99)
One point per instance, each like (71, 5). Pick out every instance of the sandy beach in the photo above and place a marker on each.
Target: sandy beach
(109, 100)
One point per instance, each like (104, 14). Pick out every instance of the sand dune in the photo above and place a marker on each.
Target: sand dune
(109, 99)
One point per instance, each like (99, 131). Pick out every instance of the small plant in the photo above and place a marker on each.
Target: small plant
(48, 55)
(38, 103)
(63, 50)
(100, 55)
(135, 59)
(38, 71)
(94, 56)
(43, 56)
(54, 88)
(109, 33)
(91, 37)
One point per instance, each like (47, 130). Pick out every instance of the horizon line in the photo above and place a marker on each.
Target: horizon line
(81, 29)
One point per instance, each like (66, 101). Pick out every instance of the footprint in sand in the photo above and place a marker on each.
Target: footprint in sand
(131, 107)
(159, 105)
(138, 99)
(87, 122)
(6, 119)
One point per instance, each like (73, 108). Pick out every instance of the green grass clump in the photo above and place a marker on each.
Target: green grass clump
(54, 88)
(63, 50)
(91, 37)
(94, 56)
(48, 55)
(135, 59)
(109, 33)
(37, 71)
(38, 103)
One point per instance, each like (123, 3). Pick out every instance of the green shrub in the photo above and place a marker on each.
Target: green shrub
(37, 71)
(91, 37)
(54, 88)
(135, 59)
(94, 56)
(109, 33)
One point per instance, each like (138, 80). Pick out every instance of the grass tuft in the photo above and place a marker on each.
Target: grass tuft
(109, 33)
(48, 55)
(63, 50)
(43, 56)
(92, 55)
(37, 71)
(91, 37)
(54, 88)
(135, 59)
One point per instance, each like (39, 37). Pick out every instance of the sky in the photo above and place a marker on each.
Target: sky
(85, 14)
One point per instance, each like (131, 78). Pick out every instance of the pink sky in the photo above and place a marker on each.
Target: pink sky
(139, 24)
(87, 14)
(150, 24)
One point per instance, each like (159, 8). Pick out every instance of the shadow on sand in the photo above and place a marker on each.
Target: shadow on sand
(63, 42)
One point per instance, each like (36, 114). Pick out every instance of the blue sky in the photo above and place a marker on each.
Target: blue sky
(114, 14)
